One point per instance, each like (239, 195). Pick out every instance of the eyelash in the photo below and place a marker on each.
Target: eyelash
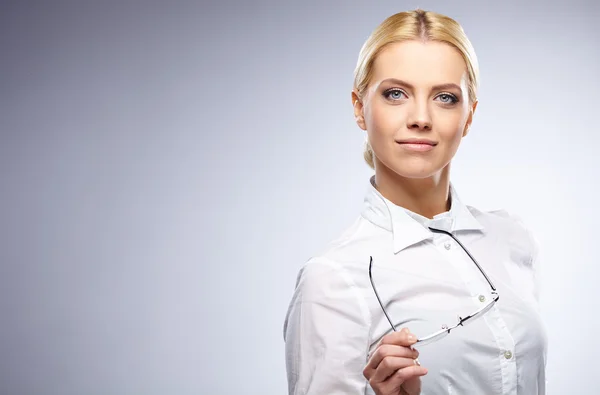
(453, 98)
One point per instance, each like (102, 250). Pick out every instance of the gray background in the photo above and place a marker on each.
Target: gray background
(166, 168)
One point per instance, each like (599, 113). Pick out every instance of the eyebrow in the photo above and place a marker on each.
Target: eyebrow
(449, 85)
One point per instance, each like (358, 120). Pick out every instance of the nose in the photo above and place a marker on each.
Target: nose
(419, 117)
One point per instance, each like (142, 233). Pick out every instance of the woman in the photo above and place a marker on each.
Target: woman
(384, 308)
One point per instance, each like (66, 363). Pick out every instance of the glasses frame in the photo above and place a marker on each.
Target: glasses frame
(461, 320)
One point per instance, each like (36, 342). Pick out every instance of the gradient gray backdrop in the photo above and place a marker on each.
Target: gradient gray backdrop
(166, 168)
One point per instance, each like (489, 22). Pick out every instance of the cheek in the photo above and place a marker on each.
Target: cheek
(450, 127)
(384, 120)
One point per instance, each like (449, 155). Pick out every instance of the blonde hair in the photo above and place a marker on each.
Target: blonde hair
(414, 25)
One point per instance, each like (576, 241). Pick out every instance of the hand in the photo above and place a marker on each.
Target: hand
(393, 368)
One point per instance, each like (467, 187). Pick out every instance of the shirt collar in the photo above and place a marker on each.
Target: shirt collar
(408, 227)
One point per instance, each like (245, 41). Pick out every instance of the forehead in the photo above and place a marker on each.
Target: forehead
(417, 62)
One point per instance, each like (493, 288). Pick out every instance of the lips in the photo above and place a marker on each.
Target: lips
(417, 145)
(417, 141)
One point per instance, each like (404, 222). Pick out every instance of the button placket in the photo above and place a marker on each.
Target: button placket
(469, 271)
(479, 290)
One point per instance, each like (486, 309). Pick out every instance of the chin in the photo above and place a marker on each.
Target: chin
(416, 175)
(416, 172)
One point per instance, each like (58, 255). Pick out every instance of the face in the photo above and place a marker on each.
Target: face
(418, 91)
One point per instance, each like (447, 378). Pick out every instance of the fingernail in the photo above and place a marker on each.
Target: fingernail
(411, 337)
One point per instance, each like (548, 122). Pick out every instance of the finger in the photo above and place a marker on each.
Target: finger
(411, 386)
(408, 380)
(408, 377)
(390, 365)
(401, 338)
(390, 350)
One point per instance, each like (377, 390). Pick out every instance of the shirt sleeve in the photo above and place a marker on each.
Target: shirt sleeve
(326, 333)
(536, 267)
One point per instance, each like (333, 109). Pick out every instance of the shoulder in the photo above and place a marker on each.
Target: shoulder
(327, 285)
(499, 218)
(502, 221)
(340, 264)
(334, 256)
(348, 245)
(508, 227)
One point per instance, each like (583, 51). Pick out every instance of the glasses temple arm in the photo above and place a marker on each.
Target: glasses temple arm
(377, 295)
(468, 253)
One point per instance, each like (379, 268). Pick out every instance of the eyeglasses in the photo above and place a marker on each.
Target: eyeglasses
(461, 320)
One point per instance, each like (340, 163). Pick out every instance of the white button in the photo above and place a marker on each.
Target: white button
(481, 298)
(447, 246)
(507, 354)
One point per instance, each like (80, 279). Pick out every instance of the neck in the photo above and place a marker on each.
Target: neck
(425, 196)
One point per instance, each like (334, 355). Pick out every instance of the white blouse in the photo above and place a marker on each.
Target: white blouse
(425, 281)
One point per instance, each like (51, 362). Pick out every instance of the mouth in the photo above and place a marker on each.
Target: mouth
(418, 145)
(417, 141)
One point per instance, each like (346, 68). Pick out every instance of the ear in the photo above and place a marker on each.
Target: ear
(470, 119)
(359, 115)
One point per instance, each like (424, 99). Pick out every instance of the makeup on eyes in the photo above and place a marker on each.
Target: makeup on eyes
(455, 98)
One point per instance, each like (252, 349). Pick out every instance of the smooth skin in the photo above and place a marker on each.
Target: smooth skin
(392, 368)
(418, 90)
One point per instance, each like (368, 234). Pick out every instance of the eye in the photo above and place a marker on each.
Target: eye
(394, 94)
(448, 98)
